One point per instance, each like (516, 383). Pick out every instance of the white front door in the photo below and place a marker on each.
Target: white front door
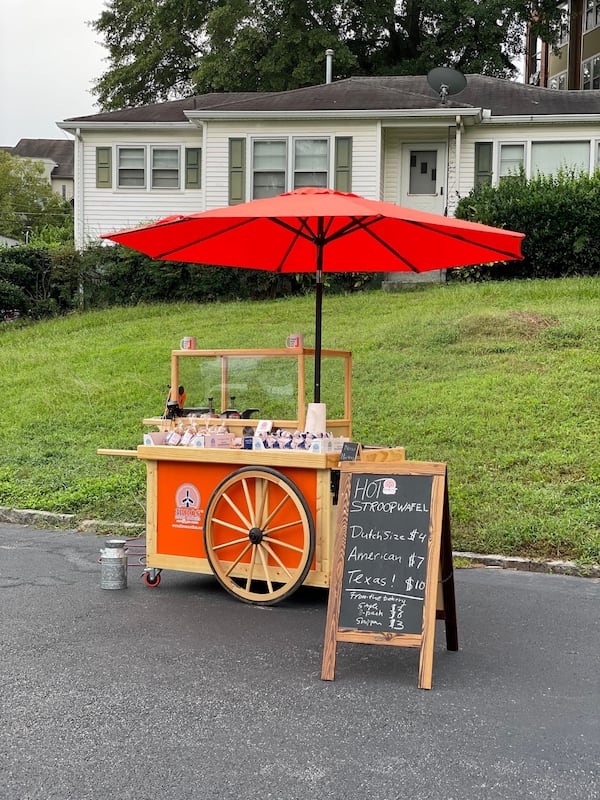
(423, 181)
(422, 187)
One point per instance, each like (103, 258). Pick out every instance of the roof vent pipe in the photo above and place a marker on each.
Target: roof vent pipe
(328, 65)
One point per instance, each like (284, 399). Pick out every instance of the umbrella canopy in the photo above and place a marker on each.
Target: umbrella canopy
(322, 230)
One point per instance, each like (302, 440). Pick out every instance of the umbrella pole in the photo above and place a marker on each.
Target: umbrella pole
(318, 311)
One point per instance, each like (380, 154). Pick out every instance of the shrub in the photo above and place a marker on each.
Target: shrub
(559, 215)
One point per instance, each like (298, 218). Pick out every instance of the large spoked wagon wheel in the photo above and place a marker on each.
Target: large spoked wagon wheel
(259, 535)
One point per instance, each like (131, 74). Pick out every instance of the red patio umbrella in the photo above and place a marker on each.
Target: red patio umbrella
(321, 230)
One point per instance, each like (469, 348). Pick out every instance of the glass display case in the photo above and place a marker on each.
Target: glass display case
(241, 387)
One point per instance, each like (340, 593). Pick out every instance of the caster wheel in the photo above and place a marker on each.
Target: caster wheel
(151, 581)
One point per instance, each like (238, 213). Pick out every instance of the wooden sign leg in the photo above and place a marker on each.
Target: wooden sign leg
(447, 577)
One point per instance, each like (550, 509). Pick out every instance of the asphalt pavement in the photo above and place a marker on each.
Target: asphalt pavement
(182, 691)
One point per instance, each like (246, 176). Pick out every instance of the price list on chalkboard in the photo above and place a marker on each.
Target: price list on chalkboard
(385, 561)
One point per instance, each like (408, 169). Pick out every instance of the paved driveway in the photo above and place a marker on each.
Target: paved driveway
(184, 692)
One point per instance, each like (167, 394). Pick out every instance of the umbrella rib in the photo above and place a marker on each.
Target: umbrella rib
(460, 238)
(297, 233)
(220, 232)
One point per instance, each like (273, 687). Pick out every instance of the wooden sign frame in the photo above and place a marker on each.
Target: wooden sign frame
(439, 598)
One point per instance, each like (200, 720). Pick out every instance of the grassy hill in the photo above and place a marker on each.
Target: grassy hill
(499, 380)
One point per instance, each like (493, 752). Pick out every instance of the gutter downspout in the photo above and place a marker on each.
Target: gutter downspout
(78, 193)
(78, 205)
(459, 130)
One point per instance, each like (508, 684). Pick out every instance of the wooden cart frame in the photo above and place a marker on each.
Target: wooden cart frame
(261, 521)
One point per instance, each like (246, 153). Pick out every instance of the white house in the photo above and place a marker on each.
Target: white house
(389, 138)
(56, 157)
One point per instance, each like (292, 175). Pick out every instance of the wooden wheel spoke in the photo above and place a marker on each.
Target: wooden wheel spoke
(246, 522)
(238, 559)
(251, 569)
(281, 543)
(263, 561)
(250, 504)
(276, 558)
(283, 526)
(225, 524)
(230, 543)
(275, 511)
(262, 490)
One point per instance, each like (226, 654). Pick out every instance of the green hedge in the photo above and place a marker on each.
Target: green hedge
(38, 282)
(559, 215)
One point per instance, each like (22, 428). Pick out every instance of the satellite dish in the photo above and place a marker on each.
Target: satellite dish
(445, 81)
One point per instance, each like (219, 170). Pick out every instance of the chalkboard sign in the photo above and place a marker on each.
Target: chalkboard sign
(385, 560)
(350, 451)
(392, 549)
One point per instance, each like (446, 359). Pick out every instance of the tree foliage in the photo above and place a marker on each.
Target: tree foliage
(165, 49)
(28, 205)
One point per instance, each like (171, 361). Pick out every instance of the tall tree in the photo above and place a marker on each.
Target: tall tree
(162, 49)
(28, 204)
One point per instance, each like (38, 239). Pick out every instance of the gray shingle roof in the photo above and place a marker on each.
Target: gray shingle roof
(402, 93)
(58, 150)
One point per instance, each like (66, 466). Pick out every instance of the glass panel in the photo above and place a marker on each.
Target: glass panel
(549, 157)
(596, 72)
(512, 158)
(165, 168)
(310, 162)
(310, 179)
(268, 184)
(587, 75)
(423, 172)
(310, 154)
(269, 155)
(165, 159)
(269, 168)
(268, 384)
(131, 167)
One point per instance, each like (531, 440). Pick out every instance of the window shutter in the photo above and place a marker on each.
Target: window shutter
(483, 163)
(103, 167)
(237, 171)
(193, 163)
(343, 164)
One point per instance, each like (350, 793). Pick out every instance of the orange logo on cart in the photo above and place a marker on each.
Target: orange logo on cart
(187, 506)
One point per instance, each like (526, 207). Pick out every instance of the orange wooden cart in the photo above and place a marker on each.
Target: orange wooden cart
(261, 520)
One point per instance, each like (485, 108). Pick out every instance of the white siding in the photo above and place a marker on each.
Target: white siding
(376, 163)
(364, 151)
(105, 210)
(527, 133)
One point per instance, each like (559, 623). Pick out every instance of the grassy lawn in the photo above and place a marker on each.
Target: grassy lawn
(499, 380)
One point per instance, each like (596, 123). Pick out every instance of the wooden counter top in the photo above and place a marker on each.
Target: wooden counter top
(262, 458)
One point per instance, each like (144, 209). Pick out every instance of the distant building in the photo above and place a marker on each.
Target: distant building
(576, 64)
(55, 155)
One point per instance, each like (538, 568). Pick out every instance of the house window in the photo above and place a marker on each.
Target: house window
(559, 81)
(165, 168)
(483, 163)
(591, 73)
(592, 14)
(548, 158)
(131, 167)
(512, 159)
(269, 167)
(563, 34)
(311, 157)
